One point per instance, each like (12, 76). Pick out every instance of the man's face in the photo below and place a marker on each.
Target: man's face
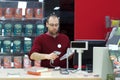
(53, 25)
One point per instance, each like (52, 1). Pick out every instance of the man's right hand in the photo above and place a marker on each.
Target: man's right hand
(51, 56)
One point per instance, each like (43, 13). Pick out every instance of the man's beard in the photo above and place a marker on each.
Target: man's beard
(53, 33)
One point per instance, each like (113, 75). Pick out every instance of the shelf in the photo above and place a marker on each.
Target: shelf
(12, 54)
(20, 19)
(18, 32)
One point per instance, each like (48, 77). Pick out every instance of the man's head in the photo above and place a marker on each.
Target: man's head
(52, 24)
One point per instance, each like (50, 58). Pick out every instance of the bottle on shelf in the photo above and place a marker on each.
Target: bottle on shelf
(26, 62)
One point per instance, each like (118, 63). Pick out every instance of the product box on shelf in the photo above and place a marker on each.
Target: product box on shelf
(0, 28)
(7, 61)
(39, 29)
(8, 12)
(28, 13)
(18, 13)
(28, 30)
(1, 10)
(17, 31)
(27, 45)
(7, 46)
(16, 46)
(18, 61)
(38, 13)
(8, 29)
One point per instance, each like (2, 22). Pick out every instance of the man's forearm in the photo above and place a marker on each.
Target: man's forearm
(38, 56)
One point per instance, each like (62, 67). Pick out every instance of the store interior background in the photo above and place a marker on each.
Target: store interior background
(83, 20)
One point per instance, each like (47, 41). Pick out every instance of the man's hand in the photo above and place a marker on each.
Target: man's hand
(51, 56)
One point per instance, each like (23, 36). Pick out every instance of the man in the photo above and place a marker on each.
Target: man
(44, 45)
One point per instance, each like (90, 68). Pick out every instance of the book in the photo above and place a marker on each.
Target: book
(36, 70)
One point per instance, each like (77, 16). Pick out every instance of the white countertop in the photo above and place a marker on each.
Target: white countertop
(22, 74)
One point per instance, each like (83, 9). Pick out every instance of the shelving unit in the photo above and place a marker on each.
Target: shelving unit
(17, 33)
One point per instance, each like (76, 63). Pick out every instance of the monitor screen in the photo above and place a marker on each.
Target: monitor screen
(78, 45)
(83, 45)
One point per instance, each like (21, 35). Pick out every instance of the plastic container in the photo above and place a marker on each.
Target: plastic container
(27, 62)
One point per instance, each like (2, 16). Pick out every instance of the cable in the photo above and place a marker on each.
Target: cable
(51, 64)
(55, 67)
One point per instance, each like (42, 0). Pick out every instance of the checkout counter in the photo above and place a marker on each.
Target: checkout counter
(21, 74)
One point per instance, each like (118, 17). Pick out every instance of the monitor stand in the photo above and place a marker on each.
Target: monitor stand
(79, 52)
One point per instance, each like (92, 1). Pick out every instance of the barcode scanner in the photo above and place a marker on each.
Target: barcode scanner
(57, 53)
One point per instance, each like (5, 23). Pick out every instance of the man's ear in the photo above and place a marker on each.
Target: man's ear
(46, 24)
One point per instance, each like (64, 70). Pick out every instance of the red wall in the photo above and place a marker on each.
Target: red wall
(90, 17)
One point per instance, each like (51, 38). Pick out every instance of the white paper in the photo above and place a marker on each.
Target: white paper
(113, 47)
(23, 6)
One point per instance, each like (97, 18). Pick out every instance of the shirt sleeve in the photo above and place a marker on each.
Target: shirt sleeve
(36, 47)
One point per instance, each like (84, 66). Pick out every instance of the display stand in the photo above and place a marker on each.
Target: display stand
(79, 59)
(79, 68)
(113, 43)
(79, 46)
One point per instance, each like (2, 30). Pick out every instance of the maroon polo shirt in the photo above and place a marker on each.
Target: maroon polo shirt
(47, 44)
